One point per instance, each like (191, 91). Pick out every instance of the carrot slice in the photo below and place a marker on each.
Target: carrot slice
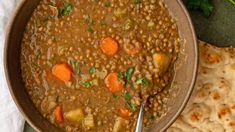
(125, 113)
(109, 46)
(62, 72)
(59, 114)
(112, 82)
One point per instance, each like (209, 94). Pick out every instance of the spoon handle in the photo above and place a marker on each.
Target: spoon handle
(140, 118)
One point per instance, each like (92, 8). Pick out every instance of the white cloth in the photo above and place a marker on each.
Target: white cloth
(10, 118)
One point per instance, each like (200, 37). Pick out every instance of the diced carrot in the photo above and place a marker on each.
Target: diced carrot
(109, 46)
(125, 113)
(112, 82)
(59, 114)
(62, 72)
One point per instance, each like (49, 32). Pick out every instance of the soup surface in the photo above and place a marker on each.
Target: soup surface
(89, 64)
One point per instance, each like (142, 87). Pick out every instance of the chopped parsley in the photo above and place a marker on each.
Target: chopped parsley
(75, 65)
(90, 30)
(89, 84)
(92, 70)
(90, 23)
(86, 84)
(67, 9)
(133, 107)
(120, 76)
(143, 81)
(127, 96)
(115, 96)
(129, 73)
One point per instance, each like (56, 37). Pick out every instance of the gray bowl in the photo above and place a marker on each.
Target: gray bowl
(185, 72)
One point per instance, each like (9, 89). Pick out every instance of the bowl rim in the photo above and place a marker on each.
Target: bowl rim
(7, 37)
(195, 70)
(20, 5)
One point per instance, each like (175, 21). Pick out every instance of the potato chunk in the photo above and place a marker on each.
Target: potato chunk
(118, 124)
(89, 121)
(75, 115)
(161, 61)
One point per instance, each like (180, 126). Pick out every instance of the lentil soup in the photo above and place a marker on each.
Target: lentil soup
(88, 64)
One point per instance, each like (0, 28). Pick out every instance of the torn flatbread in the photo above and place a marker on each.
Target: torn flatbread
(211, 107)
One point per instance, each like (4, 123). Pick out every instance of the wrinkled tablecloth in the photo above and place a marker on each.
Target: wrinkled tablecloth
(10, 118)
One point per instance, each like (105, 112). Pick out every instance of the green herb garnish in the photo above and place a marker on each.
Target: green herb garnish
(132, 106)
(94, 82)
(90, 23)
(67, 9)
(86, 84)
(129, 73)
(89, 84)
(115, 96)
(108, 4)
(143, 81)
(90, 30)
(120, 76)
(92, 70)
(203, 5)
(127, 96)
(75, 65)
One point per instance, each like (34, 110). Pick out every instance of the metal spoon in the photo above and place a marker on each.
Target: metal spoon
(140, 119)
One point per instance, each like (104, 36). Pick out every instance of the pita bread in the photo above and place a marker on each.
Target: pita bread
(182, 126)
(211, 107)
